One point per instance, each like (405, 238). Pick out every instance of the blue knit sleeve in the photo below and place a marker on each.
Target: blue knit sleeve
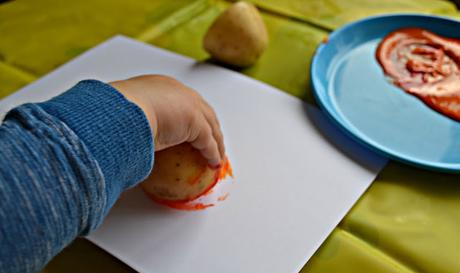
(63, 164)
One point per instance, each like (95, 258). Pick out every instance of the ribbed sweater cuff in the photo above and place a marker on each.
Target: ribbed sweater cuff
(115, 130)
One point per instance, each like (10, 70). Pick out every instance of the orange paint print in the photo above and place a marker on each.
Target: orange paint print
(182, 205)
(223, 197)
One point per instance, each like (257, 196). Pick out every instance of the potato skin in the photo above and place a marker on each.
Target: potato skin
(180, 174)
(238, 36)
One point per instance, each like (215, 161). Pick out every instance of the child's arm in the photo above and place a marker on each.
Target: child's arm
(64, 162)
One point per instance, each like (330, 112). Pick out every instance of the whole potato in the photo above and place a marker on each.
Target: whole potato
(238, 36)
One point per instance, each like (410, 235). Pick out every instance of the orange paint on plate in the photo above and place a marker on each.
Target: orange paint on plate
(425, 65)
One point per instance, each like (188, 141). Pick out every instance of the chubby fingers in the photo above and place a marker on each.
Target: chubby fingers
(206, 134)
(204, 141)
(211, 118)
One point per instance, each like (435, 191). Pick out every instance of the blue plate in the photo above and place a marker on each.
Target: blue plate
(351, 88)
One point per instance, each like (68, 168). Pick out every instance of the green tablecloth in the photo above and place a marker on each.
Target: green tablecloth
(408, 220)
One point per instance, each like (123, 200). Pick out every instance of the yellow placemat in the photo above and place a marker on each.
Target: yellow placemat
(406, 221)
(331, 14)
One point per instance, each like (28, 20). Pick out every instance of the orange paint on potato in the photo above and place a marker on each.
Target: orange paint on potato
(225, 169)
(209, 189)
(209, 192)
(194, 180)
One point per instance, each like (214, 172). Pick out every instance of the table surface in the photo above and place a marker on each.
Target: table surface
(407, 221)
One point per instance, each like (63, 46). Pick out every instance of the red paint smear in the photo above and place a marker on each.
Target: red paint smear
(225, 169)
(424, 65)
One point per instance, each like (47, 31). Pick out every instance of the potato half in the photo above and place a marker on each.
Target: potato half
(180, 174)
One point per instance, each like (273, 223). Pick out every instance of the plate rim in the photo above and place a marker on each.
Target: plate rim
(356, 135)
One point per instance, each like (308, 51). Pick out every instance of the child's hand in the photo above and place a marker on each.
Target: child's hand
(176, 114)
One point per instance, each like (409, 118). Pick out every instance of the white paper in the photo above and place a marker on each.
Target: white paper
(296, 175)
